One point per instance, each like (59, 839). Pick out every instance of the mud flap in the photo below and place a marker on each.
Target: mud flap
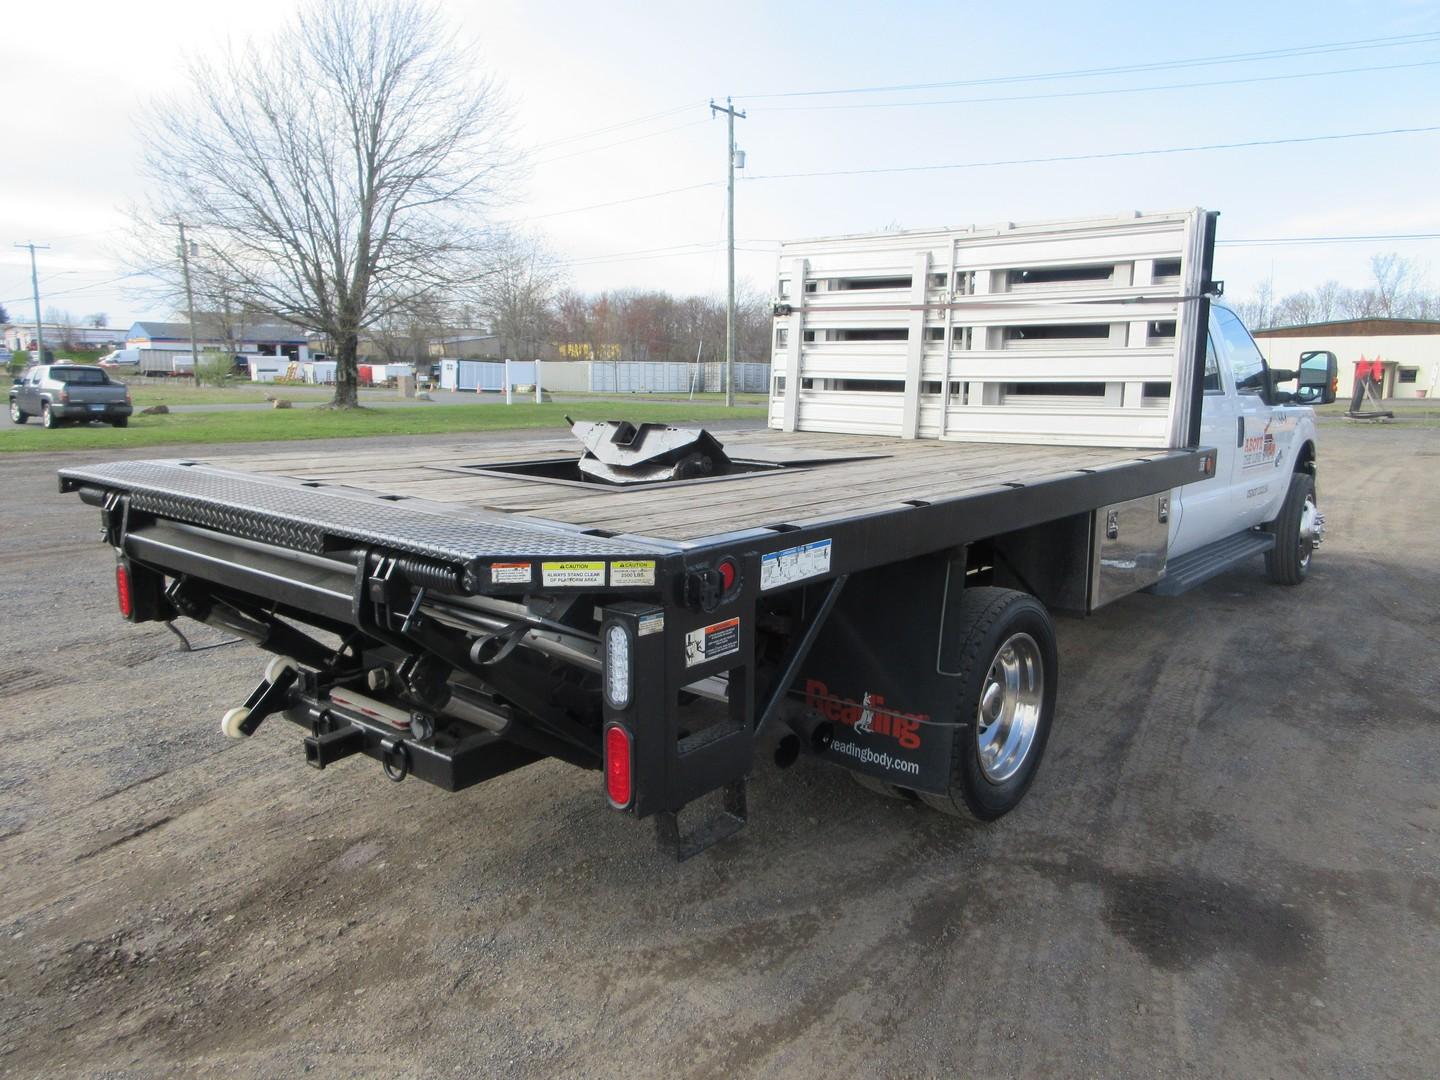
(876, 673)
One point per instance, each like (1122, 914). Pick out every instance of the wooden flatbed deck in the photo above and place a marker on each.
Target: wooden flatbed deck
(843, 475)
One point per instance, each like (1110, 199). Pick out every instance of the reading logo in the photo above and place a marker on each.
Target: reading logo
(869, 715)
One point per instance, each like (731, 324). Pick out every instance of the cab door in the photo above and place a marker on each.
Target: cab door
(29, 396)
(1204, 507)
(1264, 434)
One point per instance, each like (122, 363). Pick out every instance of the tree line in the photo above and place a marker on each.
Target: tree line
(1397, 290)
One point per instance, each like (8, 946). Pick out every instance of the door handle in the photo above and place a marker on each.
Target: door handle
(1240, 433)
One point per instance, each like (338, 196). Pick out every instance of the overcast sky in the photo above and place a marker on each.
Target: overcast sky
(76, 76)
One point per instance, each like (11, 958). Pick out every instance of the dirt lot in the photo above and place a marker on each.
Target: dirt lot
(1230, 863)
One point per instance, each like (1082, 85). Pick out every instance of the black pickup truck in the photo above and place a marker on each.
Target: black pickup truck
(60, 393)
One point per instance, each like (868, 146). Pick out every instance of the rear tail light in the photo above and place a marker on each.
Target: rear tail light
(619, 767)
(64, 397)
(124, 594)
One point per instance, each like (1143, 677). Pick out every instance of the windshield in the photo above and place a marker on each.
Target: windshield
(87, 375)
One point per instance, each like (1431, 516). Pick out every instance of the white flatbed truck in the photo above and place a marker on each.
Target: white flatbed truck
(969, 428)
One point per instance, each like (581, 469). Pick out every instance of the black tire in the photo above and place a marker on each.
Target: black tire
(1288, 562)
(48, 418)
(17, 414)
(120, 421)
(990, 620)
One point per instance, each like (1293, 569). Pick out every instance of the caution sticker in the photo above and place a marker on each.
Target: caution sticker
(572, 574)
(794, 564)
(510, 573)
(633, 572)
(712, 642)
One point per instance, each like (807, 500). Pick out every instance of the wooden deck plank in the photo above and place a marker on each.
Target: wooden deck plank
(885, 472)
(861, 498)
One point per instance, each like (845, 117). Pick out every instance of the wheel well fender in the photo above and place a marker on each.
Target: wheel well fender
(1305, 458)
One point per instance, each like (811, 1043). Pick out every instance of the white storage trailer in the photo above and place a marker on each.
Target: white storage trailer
(485, 375)
(970, 428)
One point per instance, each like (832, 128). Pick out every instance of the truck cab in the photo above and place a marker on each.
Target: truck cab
(1263, 437)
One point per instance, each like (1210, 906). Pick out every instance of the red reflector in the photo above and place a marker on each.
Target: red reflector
(727, 575)
(122, 590)
(617, 766)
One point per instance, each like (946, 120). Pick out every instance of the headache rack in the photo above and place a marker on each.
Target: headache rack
(1078, 331)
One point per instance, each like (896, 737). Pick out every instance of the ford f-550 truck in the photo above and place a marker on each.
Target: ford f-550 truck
(969, 429)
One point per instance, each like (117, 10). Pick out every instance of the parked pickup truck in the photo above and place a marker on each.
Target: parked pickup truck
(969, 429)
(58, 393)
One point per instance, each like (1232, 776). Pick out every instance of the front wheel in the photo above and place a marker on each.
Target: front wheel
(17, 414)
(1008, 673)
(1298, 532)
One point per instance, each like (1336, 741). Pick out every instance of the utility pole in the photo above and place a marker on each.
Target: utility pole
(39, 357)
(730, 114)
(189, 303)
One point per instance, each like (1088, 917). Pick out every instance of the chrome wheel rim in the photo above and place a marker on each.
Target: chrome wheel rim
(1309, 529)
(14, 411)
(1008, 714)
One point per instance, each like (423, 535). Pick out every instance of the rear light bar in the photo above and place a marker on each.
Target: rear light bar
(619, 766)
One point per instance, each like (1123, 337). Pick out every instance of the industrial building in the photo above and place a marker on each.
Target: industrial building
(1407, 349)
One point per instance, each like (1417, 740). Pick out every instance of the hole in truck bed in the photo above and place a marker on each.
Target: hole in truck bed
(567, 471)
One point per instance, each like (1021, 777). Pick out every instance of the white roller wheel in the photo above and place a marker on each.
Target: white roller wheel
(231, 721)
(276, 666)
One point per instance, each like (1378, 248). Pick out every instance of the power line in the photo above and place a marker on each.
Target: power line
(1284, 241)
(1124, 69)
(1095, 93)
(1097, 157)
(624, 142)
(662, 253)
(578, 136)
(90, 288)
(613, 202)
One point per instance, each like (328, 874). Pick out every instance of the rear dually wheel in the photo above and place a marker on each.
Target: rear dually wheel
(1008, 672)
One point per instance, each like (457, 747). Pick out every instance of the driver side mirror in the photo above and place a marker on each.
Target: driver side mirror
(1318, 378)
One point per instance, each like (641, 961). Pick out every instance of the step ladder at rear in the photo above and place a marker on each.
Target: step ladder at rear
(1202, 564)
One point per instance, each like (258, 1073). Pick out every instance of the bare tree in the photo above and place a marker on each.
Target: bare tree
(1327, 300)
(332, 168)
(97, 320)
(404, 335)
(1257, 311)
(65, 324)
(1395, 278)
(517, 294)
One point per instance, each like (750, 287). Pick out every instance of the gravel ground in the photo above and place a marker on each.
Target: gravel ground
(1229, 865)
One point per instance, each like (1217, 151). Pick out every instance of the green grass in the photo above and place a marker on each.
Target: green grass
(146, 392)
(284, 424)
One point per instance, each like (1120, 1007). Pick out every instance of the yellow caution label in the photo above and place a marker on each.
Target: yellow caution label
(572, 574)
(632, 572)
